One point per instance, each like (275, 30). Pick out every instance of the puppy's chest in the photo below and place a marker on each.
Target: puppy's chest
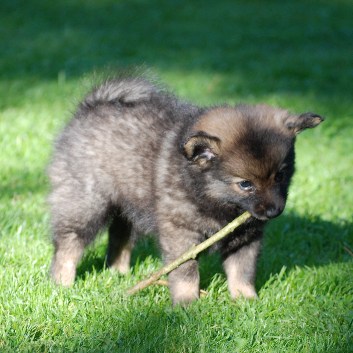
(177, 209)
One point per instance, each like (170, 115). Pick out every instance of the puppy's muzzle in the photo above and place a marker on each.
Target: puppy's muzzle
(267, 212)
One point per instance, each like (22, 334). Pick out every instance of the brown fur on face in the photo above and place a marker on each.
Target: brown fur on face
(137, 160)
(253, 144)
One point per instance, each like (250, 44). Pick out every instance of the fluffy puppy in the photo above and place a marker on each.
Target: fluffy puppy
(138, 160)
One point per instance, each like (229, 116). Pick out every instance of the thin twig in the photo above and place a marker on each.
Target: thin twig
(190, 254)
(349, 251)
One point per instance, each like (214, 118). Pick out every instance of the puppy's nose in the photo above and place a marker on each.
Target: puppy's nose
(273, 211)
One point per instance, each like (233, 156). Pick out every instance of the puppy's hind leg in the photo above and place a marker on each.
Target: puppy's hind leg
(75, 225)
(240, 268)
(119, 245)
(68, 252)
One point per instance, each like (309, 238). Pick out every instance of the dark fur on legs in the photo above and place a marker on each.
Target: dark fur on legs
(120, 244)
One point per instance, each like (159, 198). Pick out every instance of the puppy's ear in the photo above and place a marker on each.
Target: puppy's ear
(201, 148)
(298, 123)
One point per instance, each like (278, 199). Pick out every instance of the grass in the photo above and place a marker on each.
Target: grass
(296, 55)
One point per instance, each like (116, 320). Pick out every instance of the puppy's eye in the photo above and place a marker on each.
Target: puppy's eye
(246, 185)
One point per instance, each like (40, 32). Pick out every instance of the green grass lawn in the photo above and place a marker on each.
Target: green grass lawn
(294, 54)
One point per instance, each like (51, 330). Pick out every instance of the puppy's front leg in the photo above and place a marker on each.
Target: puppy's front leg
(240, 268)
(184, 281)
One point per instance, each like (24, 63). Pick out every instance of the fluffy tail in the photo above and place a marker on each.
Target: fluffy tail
(125, 91)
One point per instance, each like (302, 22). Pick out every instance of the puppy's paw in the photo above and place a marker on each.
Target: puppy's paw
(120, 263)
(63, 273)
(244, 290)
(183, 293)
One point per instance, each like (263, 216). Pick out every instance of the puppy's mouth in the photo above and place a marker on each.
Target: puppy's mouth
(260, 218)
(258, 211)
(267, 214)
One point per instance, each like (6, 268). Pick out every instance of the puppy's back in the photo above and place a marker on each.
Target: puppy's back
(109, 147)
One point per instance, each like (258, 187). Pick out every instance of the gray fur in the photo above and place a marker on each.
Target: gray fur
(121, 91)
(140, 161)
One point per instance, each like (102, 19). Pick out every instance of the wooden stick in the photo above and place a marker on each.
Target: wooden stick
(349, 251)
(190, 254)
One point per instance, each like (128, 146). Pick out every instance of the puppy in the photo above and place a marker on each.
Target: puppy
(138, 160)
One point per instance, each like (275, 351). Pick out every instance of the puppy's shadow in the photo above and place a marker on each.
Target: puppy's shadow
(292, 240)
(289, 241)
(94, 259)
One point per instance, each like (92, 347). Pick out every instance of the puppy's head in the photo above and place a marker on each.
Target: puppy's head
(243, 157)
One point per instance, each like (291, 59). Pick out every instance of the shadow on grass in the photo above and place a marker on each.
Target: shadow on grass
(289, 241)
(256, 48)
(94, 259)
(154, 326)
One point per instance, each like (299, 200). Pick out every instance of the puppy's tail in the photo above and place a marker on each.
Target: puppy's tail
(125, 92)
